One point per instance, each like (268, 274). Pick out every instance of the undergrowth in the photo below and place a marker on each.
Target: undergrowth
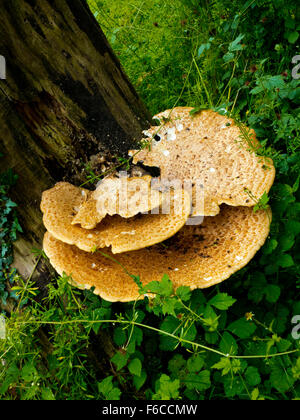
(238, 340)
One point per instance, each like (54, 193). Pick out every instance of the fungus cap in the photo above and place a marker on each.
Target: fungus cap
(123, 196)
(213, 152)
(59, 205)
(197, 256)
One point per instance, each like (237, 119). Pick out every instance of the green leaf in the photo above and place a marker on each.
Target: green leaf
(108, 390)
(120, 336)
(224, 364)
(242, 328)
(169, 305)
(255, 394)
(170, 325)
(135, 367)
(252, 376)
(199, 381)
(163, 288)
(222, 301)
(47, 395)
(281, 378)
(184, 293)
(166, 389)
(272, 293)
(236, 45)
(270, 247)
(195, 363)
(120, 359)
(28, 372)
(285, 261)
(228, 345)
(293, 37)
(138, 381)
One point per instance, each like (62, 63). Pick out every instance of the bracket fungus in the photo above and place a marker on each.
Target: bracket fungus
(123, 196)
(147, 226)
(197, 256)
(122, 234)
(211, 150)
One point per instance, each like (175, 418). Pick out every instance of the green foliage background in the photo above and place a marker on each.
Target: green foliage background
(232, 341)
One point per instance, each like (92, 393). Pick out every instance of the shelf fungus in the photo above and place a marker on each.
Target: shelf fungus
(209, 168)
(124, 196)
(197, 256)
(60, 203)
(212, 152)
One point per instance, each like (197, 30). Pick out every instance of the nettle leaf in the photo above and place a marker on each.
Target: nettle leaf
(222, 301)
(242, 328)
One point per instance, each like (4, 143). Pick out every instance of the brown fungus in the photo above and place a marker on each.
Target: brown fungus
(236, 228)
(122, 234)
(212, 152)
(123, 196)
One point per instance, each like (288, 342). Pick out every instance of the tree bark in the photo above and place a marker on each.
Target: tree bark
(65, 99)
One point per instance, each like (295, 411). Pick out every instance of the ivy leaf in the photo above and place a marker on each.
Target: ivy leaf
(222, 301)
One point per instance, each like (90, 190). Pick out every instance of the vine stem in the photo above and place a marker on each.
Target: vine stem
(180, 339)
